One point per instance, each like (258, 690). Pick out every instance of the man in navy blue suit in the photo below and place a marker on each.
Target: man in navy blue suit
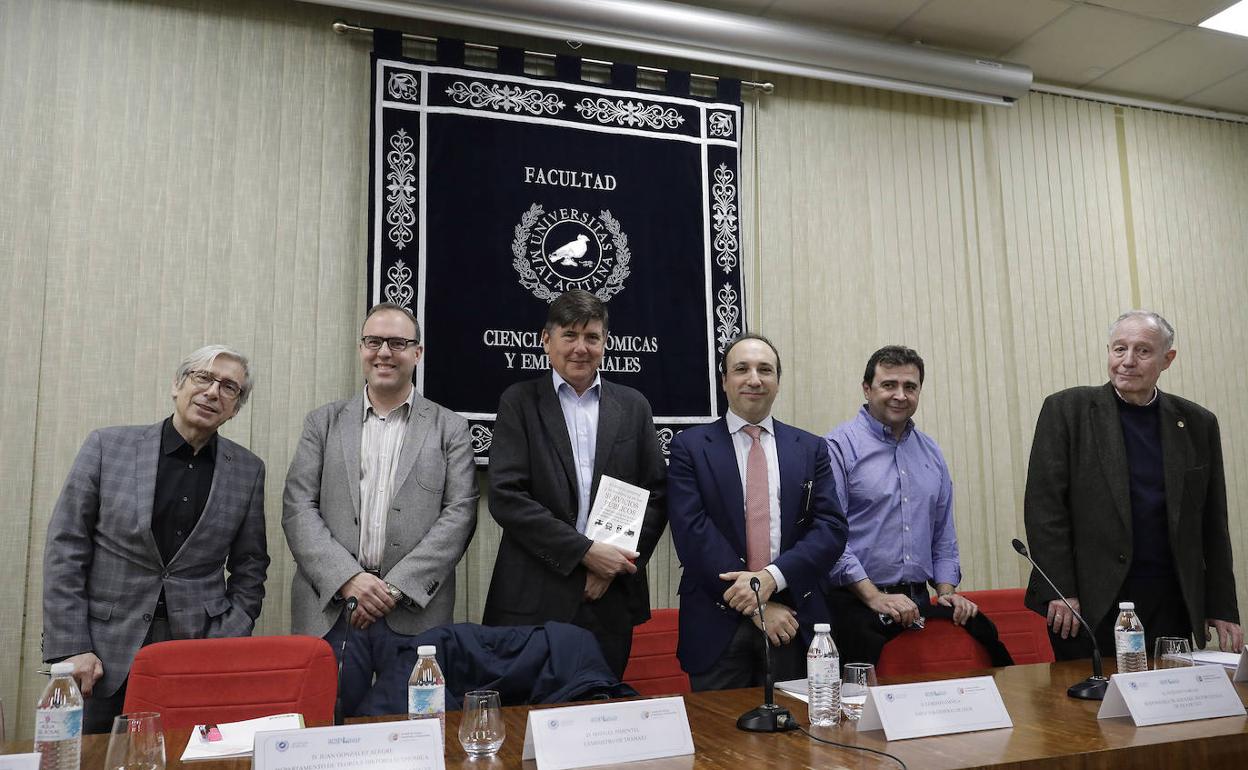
(750, 497)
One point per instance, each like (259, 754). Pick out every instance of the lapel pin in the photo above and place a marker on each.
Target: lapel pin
(1181, 424)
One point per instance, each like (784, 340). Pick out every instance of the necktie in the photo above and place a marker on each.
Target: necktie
(757, 504)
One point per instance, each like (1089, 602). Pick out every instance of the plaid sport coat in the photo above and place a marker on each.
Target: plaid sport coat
(102, 571)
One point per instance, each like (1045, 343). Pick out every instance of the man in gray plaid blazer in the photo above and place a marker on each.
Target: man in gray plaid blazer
(380, 503)
(148, 521)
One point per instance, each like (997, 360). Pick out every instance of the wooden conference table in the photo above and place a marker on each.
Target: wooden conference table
(1050, 730)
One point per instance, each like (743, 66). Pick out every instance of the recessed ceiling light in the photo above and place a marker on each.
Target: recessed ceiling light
(1233, 20)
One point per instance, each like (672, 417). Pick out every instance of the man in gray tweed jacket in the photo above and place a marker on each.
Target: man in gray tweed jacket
(380, 503)
(149, 519)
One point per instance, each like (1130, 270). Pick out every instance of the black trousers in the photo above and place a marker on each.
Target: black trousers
(615, 640)
(742, 663)
(1159, 605)
(860, 635)
(98, 711)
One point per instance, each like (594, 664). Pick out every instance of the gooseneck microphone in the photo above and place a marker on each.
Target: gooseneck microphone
(1092, 688)
(349, 606)
(767, 718)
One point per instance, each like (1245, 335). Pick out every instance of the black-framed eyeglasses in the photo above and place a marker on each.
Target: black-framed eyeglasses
(396, 344)
(203, 380)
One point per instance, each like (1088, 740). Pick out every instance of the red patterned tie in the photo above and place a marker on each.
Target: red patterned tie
(757, 505)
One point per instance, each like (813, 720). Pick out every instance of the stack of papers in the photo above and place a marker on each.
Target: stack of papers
(1216, 657)
(237, 738)
(795, 688)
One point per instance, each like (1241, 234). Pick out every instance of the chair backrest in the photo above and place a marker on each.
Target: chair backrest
(939, 648)
(652, 665)
(1022, 631)
(942, 647)
(197, 681)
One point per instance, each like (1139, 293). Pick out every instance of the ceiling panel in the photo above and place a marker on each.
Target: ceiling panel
(1182, 11)
(1086, 42)
(873, 16)
(979, 26)
(1191, 61)
(750, 7)
(1231, 95)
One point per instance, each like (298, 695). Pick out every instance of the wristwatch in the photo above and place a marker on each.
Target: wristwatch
(394, 592)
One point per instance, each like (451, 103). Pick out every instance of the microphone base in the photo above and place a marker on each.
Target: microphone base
(1092, 688)
(767, 718)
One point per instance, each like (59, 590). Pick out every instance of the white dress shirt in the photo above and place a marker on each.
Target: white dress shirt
(741, 442)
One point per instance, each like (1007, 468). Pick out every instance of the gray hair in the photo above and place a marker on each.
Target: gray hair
(203, 358)
(1167, 331)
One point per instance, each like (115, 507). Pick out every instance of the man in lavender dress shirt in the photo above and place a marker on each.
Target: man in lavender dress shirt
(895, 488)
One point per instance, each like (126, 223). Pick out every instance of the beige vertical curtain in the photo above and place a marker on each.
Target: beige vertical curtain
(176, 172)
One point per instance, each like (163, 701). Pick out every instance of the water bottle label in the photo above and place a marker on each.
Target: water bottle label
(58, 724)
(1130, 641)
(426, 699)
(820, 672)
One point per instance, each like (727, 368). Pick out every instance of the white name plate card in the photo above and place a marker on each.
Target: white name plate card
(1171, 695)
(403, 745)
(934, 708)
(607, 733)
(20, 761)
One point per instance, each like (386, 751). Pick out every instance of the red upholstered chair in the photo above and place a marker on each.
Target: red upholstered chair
(1022, 631)
(943, 647)
(195, 681)
(652, 665)
(940, 647)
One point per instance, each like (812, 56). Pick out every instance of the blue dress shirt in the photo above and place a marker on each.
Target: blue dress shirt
(898, 497)
(580, 414)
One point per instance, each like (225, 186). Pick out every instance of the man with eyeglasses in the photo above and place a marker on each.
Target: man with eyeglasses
(149, 521)
(380, 503)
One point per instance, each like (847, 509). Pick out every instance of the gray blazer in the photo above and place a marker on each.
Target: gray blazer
(1078, 505)
(538, 576)
(102, 571)
(432, 516)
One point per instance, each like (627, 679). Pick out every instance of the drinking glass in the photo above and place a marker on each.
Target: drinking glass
(481, 728)
(855, 680)
(1172, 652)
(137, 742)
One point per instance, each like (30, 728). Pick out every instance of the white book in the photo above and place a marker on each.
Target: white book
(617, 514)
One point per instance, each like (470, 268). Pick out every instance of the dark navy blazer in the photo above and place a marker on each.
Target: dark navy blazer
(706, 510)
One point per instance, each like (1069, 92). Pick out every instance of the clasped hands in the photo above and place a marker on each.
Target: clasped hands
(373, 597)
(602, 563)
(781, 619)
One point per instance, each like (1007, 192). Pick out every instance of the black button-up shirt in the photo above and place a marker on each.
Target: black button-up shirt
(183, 481)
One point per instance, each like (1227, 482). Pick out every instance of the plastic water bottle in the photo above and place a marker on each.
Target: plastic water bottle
(426, 690)
(1129, 640)
(58, 721)
(823, 678)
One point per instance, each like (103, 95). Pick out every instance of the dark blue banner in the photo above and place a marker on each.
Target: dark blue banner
(493, 193)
